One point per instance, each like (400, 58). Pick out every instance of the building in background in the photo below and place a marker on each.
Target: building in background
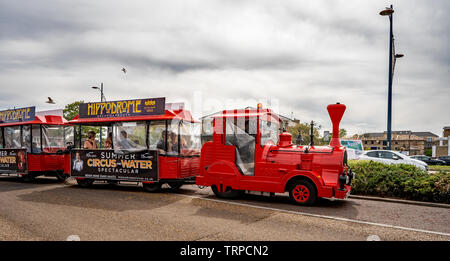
(408, 142)
(442, 148)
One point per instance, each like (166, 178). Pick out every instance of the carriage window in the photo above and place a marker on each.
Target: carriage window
(190, 141)
(1, 138)
(36, 139)
(68, 135)
(269, 132)
(53, 138)
(172, 137)
(157, 136)
(12, 137)
(129, 136)
(26, 137)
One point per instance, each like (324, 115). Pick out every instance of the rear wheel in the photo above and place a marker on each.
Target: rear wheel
(302, 192)
(228, 193)
(28, 178)
(85, 183)
(61, 176)
(151, 187)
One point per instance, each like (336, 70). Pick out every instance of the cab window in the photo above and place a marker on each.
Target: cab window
(241, 133)
(269, 132)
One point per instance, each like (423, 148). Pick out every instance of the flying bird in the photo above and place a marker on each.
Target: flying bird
(50, 100)
(124, 70)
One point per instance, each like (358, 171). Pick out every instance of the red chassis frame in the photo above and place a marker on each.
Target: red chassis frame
(46, 162)
(307, 172)
(173, 169)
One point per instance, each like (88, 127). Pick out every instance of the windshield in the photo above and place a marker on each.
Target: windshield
(269, 132)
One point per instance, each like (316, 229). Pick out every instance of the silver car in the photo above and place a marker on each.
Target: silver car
(391, 157)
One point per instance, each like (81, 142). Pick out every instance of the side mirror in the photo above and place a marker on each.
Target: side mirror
(395, 157)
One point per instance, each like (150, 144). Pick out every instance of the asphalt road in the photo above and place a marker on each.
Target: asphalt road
(49, 210)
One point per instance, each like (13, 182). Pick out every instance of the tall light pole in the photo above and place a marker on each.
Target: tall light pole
(392, 58)
(102, 97)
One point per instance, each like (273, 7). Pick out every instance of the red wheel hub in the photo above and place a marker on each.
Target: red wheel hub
(300, 193)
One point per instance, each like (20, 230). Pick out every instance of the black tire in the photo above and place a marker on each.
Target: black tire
(85, 183)
(229, 192)
(28, 178)
(61, 176)
(152, 187)
(175, 185)
(302, 192)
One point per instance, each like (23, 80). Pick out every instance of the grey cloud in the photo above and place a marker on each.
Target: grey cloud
(305, 54)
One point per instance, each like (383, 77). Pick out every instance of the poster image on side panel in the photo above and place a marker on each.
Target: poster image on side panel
(13, 161)
(106, 164)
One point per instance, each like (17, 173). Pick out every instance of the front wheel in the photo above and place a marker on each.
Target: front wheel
(302, 192)
(228, 193)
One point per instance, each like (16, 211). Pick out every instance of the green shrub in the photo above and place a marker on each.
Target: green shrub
(400, 181)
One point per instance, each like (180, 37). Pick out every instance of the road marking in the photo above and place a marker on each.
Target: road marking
(323, 216)
(373, 238)
(73, 238)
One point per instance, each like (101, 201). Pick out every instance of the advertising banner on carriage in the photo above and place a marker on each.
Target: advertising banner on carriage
(13, 161)
(125, 108)
(106, 164)
(17, 115)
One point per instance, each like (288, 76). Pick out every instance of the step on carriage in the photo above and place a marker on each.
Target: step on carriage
(144, 140)
(32, 143)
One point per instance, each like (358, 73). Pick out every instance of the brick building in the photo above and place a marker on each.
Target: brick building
(414, 143)
(442, 148)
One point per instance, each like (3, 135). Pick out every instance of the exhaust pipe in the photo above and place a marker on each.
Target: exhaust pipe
(336, 112)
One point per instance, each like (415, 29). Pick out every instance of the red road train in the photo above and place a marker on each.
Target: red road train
(156, 145)
(247, 154)
(32, 143)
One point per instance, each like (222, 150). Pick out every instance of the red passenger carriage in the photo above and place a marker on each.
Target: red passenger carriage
(150, 142)
(32, 143)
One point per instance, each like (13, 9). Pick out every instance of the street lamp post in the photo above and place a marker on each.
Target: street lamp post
(102, 97)
(392, 59)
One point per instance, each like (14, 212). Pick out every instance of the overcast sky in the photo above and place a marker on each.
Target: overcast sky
(296, 56)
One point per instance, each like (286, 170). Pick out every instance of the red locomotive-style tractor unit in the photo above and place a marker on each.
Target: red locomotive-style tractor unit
(247, 153)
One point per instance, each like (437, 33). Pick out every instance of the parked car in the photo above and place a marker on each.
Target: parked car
(391, 157)
(428, 160)
(446, 159)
